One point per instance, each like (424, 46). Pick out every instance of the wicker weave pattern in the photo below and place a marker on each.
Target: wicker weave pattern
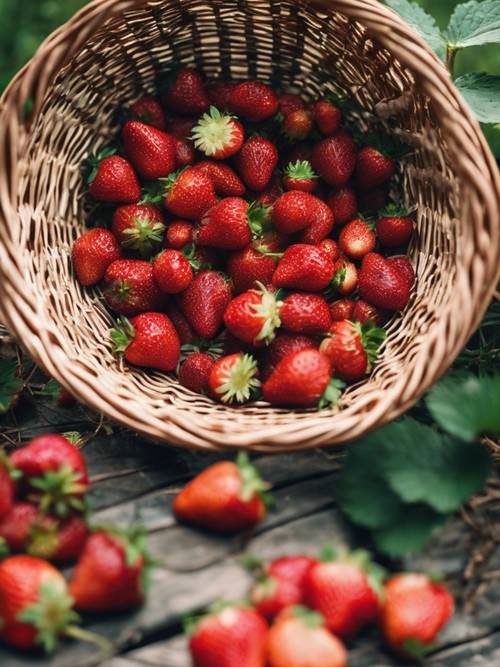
(357, 47)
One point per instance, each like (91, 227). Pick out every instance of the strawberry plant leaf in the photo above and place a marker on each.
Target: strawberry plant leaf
(408, 532)
(10, 383)
(423, 23)
(466, 406)
(482, 93)
(474, 23)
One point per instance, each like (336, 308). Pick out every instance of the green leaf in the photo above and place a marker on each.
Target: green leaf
(408, 532)
(482, 93)
(421, 22)
(466, 406)
(474, 23)
(10, 383)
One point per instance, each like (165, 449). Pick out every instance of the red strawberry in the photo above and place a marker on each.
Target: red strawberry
(343, 203)
(172, 271)
(299, 638)
(220, 95)
(297, 125)
(151, 151)
(382, 284)
(189, 194)
(345, 592)
(218, 135)
(148, 110)
(230, 223)
(254, 316)
(279, 584)
(363, 312)
(334, 158)
(394, 231)
(181, 127)
(305, 314)
(182, 326)
(179, 234)
(56, 540)
(35, 608)
(283, 345)
(270, 194)
(227, 497)
(345, 277)
(7, 484)
(139, 227)
(92, 253)
(113, 180)
(352, 348)
(321, 224)
(203, 303)
(296, 210)
(15, 525)
(327, 117)
(195, 371)
(225, 180)
(403, 265)
(304, 267)
(186, 94)
(149, 340)
(54, 472)
(300, 176)
(372, 200)
(373, 168)
(289, 103)
(130, 288)
(234, 636)
(357, 239)
(110, 574)
(233, 378)
(249, 266)
(254, 101)
(256, 162)
(415, 610)
(185, 155)
(331, 248)
(342, 309)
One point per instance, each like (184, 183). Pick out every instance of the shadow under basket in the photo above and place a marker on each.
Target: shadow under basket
(65, 102)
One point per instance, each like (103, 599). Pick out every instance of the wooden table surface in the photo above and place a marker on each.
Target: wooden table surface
(135, 480)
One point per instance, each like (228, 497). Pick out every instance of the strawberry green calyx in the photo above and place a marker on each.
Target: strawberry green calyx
(269, 310)
(252, 483)
(339, 277)
(240, 380)
(13, 472)
(93, 162)
(372, 338)
(214, 132)
(332, 394)
(312, 619)
(416, 649)
(393, 210)
(4, 548)
(144, 236)
(214, 348)
(259, 219)
(300, 170)
(189, 252)
(122, 335)
(61, 491)
(74, 437)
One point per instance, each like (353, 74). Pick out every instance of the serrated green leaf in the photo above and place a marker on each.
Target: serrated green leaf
(466, 406)
(474, 23)
(421, 22)
(482, 93)
(10, 383)
(409, 532)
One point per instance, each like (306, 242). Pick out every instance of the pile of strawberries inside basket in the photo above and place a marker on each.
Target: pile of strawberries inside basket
(247, 241)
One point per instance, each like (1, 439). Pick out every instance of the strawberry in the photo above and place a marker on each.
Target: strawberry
(151, 151)
(415, 610)
(203, 303)
(15, 525)
(185, 155)
(230, 224)
(289, 103)
(296, 210)
(189, 194)
(334, 158)
(7, 484)
(111, 574)
(372, 200)
(382, 284)
(233, 378)
(229, 636)
(373, 168)
(179, 234)
(249, 266)
(186, 93)
(256, 162)
(92, 253)
(130, 288)
(327, 117)
(279, 584)
(357, 239)
(364, 312)
(113, 180)
(138, 227)
(182, 326)
(402, 264)
(321, 224)
(300, 176)
(218, 135)
(54, 472)
(343, 203)
(345, 592)
(59, 541)
(148, 110)
(352, 348)
(300, 379)
(305, 314)
(331, 248)
(254, 316)
(283, 345)
(271, 193)
(225, 180)
(195, 371)
(148, 339)
(342, 309)
(297, 125)
(172, 271)
(254, 101)
(299, 638)
(181, 127)
(35, 608)
(227, 497)
(220, 95)
(304, 267)
(345, 277)
(395, 229)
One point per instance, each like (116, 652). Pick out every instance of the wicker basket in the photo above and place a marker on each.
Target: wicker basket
(114, 50)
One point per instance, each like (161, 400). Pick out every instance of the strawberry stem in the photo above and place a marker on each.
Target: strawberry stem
(76, 632)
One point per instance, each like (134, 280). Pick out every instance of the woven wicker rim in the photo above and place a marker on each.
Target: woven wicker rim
(211, 427)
